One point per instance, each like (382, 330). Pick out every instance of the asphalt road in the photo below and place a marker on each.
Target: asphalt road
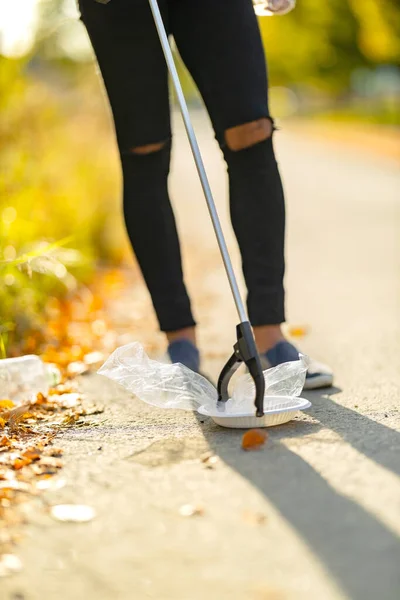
(316, 513)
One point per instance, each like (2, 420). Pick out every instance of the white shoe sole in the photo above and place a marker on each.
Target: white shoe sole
(322, 380)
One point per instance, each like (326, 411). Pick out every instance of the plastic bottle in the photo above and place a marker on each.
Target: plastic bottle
(22, 378)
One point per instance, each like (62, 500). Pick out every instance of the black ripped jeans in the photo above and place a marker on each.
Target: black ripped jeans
(221, 46)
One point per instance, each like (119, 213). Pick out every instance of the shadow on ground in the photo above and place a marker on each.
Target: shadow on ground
(375, 440)
(360, 553)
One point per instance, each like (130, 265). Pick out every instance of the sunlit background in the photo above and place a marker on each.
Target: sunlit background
(335, 62)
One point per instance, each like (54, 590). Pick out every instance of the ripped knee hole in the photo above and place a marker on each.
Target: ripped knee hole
(248, 134)
(148, 148)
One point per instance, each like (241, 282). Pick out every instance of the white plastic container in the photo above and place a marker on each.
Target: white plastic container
(281, 409)
(22, 378)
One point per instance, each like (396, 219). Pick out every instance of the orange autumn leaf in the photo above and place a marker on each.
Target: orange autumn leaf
(31, 454)
(4, 441)
(298, 330)
(61, 359)
(69, 420)
(21, 462)
(97, 303)
(55, 452)
(6, 403)
(49, 461)
(40, 399)
(254, 439)
(113, 280)
(61, 389)
(16, 415)
(30, 344)
(2, 423)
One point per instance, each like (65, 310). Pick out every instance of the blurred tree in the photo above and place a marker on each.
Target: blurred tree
(60, 34)
(321, 43)
(379, 29)
(51, 16)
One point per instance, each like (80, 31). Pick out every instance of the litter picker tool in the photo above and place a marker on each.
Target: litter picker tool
(244, 350)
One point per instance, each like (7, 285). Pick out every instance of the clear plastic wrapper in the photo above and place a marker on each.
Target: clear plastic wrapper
(286, 379)
(160, 384)
(175, 386)
(23, 377)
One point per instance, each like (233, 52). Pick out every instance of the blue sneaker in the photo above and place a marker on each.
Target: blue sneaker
(318, 374)
(185, 352)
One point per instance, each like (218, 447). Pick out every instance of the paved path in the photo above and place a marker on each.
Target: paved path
(316, 514)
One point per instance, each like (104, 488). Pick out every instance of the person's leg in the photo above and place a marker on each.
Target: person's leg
(222, 49)
(221, 45)
(132, 64)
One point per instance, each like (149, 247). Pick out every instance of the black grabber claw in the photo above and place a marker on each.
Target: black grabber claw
(245, 351)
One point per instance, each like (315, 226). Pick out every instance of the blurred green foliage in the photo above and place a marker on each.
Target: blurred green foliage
(322, 43)
(318, 44)
(58, 201)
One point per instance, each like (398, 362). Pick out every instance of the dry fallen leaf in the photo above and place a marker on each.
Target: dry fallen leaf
(298, 331)
(43, 470)
(56, 452)
(191, 510)
(40, 399)
(61, 389)
(73, 513)
(254, 439)
(32, 454)
(206, 456)
(21, 462)
(69, 420)
(6, 403)
(49, 461)
(209, 459)
(5, 441)
(15, 415)
(75, 332)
